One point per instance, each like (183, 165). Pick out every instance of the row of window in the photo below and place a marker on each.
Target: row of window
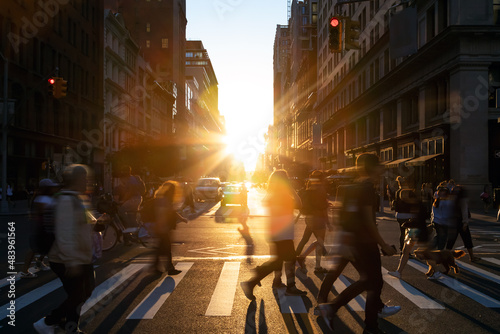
(164, 43)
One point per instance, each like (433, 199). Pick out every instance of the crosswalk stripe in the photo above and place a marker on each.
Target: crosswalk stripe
(105, 288)
(356, 304)
(492, 260)
(155, 299)
(414, 295)
(222, 300)
(32, 296)
(460, 287)
(479, 271)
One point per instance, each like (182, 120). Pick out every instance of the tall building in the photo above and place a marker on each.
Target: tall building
(295, 88)
(159, 28)
(278, 138)
(206, 125)
(429, 108)
(43, 40)
(136, 106)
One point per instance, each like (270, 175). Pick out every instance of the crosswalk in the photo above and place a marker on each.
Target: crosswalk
(226, 290)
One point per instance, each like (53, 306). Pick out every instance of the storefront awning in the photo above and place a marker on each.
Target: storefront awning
(395, 163)
(420, 161)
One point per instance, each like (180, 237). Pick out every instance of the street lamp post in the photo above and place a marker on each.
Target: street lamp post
(4, 205)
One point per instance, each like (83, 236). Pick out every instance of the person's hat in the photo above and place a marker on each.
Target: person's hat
(47, 183)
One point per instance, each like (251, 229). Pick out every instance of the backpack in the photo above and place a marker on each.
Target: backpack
(44, 229)
(307, 207)
(405, 200)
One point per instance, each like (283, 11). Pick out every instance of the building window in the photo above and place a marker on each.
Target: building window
(148, 27)
(148, 43)
(164, 43)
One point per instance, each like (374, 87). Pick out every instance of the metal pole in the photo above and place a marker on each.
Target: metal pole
(5, 205)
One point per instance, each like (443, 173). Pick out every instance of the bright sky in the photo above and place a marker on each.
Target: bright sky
(239, 38)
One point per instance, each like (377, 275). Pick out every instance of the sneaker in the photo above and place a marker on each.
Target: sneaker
(293, 291)
(247, 288)
(387, 311)
(327, 314)
(396, 274)
(320, 270)
(173, 272)
(41, 266)
(301, 262)
(28, 275)
(278, 285)
(474, 259)
(436, 275)
(41, 327)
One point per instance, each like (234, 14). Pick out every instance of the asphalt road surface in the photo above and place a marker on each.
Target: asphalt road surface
(206, 296)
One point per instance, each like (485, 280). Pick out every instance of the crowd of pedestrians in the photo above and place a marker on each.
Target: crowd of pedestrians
(430, 219)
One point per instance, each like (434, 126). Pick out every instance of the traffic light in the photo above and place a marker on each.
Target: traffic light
(61, 87)
(52, 81)
(352, 31)
(335, 32)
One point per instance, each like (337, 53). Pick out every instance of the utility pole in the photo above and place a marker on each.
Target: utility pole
(4, 205)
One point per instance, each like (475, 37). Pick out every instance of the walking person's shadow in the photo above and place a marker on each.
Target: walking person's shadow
(250, 323)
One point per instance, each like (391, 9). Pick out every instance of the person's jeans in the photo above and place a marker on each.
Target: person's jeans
(330, 278)
(368, 263)
(164, 249)
(78, 288)
(285, 252)
(443, 233)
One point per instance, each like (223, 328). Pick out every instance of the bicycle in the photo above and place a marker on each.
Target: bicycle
(114, 227)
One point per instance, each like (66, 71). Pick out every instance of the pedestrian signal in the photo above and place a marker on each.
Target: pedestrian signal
(335, 34)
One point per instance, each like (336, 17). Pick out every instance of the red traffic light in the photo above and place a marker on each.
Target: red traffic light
(334, 22)
(52, 81)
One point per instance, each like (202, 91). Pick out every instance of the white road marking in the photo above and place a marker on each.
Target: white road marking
(415, 296)
(32, 296)
(222, 300)
(212, 250)
(104, 289)
(464, 289)
(492, 260)
(479, 271)
(155, 299)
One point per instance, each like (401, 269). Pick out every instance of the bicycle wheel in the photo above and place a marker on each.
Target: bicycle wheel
(109, 237)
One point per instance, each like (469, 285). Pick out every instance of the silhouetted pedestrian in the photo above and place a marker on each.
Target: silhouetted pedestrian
(71, 254)
(281, 199)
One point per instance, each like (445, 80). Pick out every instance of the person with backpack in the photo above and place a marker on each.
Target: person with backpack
(357, 217)
(70, 256)
(41, 216)
(129, 195)
(315, 209)
(404, 202)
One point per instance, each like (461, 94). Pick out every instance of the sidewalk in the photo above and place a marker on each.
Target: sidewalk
(21, 208)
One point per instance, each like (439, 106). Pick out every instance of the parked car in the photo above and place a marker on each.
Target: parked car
(235, 194)
(208, 188)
